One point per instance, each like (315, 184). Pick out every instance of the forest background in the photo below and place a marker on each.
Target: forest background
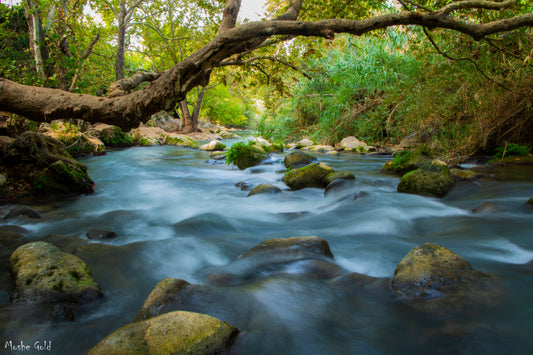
(455, 95)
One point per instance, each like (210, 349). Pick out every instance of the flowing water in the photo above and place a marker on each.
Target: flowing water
(179, 215)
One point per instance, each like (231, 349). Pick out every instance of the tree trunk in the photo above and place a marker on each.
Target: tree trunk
(187, 125)
(128, 111)
(121, 40)
(37, 47)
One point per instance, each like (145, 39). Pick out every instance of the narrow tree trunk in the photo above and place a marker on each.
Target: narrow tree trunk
(39, 51)
(187, 126)
(121, 40)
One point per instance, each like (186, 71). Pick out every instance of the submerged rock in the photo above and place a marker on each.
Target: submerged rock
(433, 279)
(312, 175)
(297, 160)
(171, 333)
(264, 189)
(529, 203)
(339, 175)
(101, 234)
(485, 207)
(432, 179)
(465, 174)
(338, 187)
(294, 245)
(22, 211)
(45, 274)
(165, 297)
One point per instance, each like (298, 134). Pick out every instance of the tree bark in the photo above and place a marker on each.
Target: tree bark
(121, 41)
(37, 47)
(128, 111)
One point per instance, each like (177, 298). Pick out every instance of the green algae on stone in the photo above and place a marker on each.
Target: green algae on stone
(45, 274)
(433, 179)
(433, 279)
(312, 175)
(339, 175)
(176, 332)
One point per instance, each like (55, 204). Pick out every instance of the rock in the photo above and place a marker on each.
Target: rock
(245, 156)
(486, 207)
(12, 240)
(360, 283)
(45, 274)
(39, 164)
(163, 298)
(244, 186)
(339, 175)
(433, 279)
(304, 143)
(293, 246)
(181, 141)
(352, 144)
(361, 194)
(164, 121)
(65, 243)
(77, 143)
(212, 146)
(433, 180)
(147, 136)
(64, 177)
(465, 174)
(228, 135)
(312, 175)
(404, 162)
(171, 333)
(99, 234)
(111, 136)
(5, 140)
(338, 186)
(23, 211)
(298, 159)
(264, 189)
(319, 148)
(61, 313)
(260, 141)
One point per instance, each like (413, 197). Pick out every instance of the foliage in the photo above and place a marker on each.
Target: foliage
(235, 151)
(224, 108)
(401, 159)
(512, 149)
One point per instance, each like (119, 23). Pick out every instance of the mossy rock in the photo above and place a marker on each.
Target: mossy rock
(298, 159)
(295, 245)
(165, 294)
(465, 174)
(64, 177)
(404, 162)
(171, 333)
(312, 175)
(245, 156)
(433, 180)
(264, 189)
(433, 279)
(214, 145)
(182, 141)
(45, 274)
(529, 202)
(339, 175)
(115, 137)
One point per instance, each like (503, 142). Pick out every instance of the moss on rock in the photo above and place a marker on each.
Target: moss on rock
(171, 333)
(244, 156)
(264, 189)
(404, 162)
(433, 279)
(339, 175)
(312, 175)
(298, 159)
(433, 179)
(45, 274)
(64, 177)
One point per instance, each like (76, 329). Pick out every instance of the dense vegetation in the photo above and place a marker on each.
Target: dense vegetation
(454, 94)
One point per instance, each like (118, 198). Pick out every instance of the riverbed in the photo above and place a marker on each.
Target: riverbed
(179, 214)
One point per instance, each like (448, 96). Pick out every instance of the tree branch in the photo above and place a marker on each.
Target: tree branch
(273, 59)
(477, 4)
(122, 86)
(229, 19)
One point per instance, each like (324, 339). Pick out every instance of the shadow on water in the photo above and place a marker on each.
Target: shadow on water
(178, 215)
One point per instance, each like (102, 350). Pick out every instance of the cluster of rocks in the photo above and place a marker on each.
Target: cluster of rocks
(430, 279)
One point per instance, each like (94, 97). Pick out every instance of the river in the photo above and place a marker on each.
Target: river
(178, 214)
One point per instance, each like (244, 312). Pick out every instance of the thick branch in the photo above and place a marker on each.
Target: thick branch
(122, 86)
(477, 4)
(229, 19)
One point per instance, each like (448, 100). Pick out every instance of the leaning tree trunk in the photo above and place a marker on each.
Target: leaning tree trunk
(188, 126)
(128, 111)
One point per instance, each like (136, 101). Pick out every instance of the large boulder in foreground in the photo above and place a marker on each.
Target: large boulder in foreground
(433, 279)
(432, 179)
(312, 175)
(36, 163)
(45, 274)
(171, 333)
(298, 159)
